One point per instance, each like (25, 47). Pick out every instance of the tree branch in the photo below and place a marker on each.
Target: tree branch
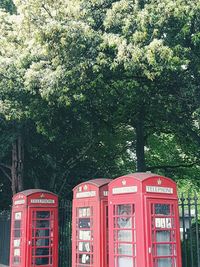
(72, 162)
(48, 12)
(5, 166)
(5, 173)
(164, 167)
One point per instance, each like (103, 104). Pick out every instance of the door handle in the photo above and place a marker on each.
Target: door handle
(150, 250)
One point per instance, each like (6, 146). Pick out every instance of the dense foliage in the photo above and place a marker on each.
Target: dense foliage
(99, 88)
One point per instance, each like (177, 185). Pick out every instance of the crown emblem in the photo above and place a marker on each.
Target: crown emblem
(42, 195)
(85, 187)
(159, 181)
(123, 182)
(80, 189)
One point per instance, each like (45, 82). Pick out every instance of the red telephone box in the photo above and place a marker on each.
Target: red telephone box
(90, 224)
(143, 222)
(34, 229)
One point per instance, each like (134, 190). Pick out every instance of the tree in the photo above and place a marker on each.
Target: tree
(83, 73)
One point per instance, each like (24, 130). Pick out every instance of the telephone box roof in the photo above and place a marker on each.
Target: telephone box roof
(33, 191)
(141, 176)
(97, 182)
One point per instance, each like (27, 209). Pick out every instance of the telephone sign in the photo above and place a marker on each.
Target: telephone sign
(34, 229)
(143, 222)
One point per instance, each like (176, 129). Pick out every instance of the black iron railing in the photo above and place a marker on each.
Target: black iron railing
(190, 230)
(4, 237)
(65, 219)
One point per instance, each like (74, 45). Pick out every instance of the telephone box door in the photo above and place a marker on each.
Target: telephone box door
(85, 235)
(41, 237)
(123, 234)
(163, 233)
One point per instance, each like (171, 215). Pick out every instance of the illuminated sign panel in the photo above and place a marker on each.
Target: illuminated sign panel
(122, 190)
(86, 194)
(43, 201)
(19, 202)
(158, 189)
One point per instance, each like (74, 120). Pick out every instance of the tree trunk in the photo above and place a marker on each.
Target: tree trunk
(52, 182)
(20, 165)
(17, 165)
(14, 168)
(140, 143)
(36, 182)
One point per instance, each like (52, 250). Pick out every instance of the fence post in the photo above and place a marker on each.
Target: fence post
(184, 248)
(197, 228)
(190, 230)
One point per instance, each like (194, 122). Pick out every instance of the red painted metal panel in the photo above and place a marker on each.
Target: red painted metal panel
(89, 224)
(34, 229)
(151, 238)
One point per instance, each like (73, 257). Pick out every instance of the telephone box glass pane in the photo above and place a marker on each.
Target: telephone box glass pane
(84, 246)
(42, 251)
(42, 261)
(84, 223)
(125, 235)
(42, 233)
(163, 209)
(16, 260)
(43, 214)
(17, 224)
(163, 236)
(16, 252)
(17, 233)
(84, 235)
(18, 215)
(42, 224)
(84, 212)
(163, 250)
(125, 262)
(124, 209)
(16, 243)
(84, 258)
(165, 262)
(125, 249)
(42, 242)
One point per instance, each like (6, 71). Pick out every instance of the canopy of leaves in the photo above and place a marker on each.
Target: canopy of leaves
(80, 75)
